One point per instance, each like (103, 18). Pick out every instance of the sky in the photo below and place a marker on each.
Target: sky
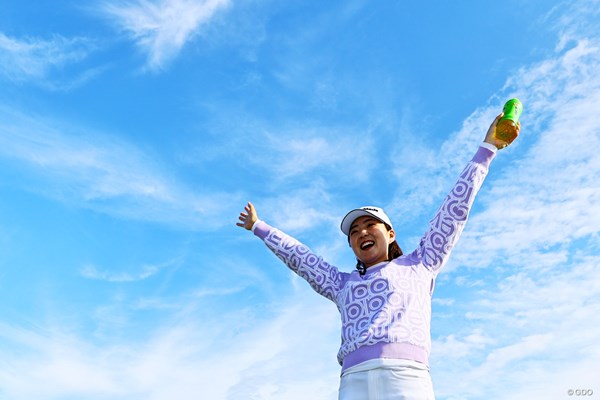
(133, 132)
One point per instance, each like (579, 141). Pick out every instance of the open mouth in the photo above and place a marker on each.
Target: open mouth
(367, 245)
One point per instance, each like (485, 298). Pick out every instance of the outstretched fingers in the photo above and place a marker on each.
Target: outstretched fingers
(247, 218)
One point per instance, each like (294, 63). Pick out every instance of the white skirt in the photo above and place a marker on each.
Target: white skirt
(386, 379)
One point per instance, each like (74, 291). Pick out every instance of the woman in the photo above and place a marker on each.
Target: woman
(385, 305)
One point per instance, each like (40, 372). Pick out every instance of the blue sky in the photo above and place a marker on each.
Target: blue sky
(133, 132)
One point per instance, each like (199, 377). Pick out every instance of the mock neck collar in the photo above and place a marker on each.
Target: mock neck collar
(376, 267)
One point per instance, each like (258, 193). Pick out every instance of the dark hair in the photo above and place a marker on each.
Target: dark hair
(394, 251)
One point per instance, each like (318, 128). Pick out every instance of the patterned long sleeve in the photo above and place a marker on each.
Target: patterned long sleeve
(449, 221)
(324, 278)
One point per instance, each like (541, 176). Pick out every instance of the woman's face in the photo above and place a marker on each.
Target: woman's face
(369, 239)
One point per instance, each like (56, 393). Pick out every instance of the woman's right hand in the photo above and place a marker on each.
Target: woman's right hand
(248, 218)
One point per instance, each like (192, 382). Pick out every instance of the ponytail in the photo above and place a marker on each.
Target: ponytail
(394, 250)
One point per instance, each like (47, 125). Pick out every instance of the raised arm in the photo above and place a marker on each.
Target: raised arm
(449, 221)
(324, 278)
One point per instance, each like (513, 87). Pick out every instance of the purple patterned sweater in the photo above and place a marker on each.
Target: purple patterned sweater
(387, 312)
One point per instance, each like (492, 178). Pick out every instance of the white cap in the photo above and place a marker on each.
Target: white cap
(375, 212)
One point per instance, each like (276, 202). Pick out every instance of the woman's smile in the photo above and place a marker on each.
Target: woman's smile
(367, 244)
(370, 239)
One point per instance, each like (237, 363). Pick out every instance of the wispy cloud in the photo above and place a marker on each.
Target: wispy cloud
(298, 210)
(161, 28)
(42, 61)
(309, 149)
(91, 272)
(174, 358)
(290, 150)
(104, 173)
(533, 321)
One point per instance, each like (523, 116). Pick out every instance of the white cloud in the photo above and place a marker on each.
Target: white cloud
(298, 209)
(161, 28)
(42, 60)
(91, 272)
(345, 153)
(202, 355)
(104, 173)
(535, 326)
(460, 347)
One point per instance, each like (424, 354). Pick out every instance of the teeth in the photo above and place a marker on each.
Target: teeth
(366, 244)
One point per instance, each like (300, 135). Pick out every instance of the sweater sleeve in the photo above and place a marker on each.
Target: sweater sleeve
(450, 219)
(324, 278)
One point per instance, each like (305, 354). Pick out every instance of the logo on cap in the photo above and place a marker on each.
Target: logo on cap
(373, 211)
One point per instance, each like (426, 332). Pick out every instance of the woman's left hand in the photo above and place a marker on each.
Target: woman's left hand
(490, 136)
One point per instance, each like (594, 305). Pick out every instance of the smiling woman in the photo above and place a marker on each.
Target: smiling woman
(385, 307)
(131, 131)
(372, 221)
